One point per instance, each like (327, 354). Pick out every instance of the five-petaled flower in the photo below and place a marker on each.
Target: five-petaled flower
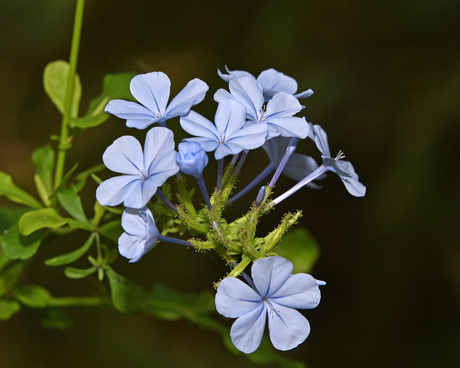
(140, 234)
(152, 91)
(230, 135)
(275, 294)
(271, 80)
(145, 171)
(278, 113)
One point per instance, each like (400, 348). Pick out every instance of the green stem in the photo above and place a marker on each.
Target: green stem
(90, 301)
(68, 96)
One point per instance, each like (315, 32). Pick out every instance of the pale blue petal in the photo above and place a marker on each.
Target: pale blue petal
(247, 331)
(354, 187)
(137, 116)
(192, 94)
(320, 138)
(141, 194)
(133, 223)
(270, 273)
(131, 247)
(197, 125)
(207, 144)
(115, 190)
(250, 93)
(230, 117)
(250, 137)
(159, 141)
(235, 298)
(288, 328)
(223, 150)
(276, 148)
(124, 156)
(233, 74)
(152, 91)
(300, 291)
(304, 94)
(300, 166)
(222, 94)
(162, 169)
(283, 105)
(287, 127)
(272, 79)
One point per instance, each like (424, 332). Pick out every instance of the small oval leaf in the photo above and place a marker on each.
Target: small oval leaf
(75, 273)
(38, 219)
(127, 296)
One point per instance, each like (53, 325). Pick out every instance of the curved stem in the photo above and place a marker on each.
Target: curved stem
(204, 191)
(265, 172)
(167, 239)
(289, 151)
(162, 196)
(69, 92)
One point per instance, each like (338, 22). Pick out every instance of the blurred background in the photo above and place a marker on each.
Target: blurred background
(386, 76)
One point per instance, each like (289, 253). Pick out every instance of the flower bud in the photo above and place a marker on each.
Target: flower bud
(191, 158)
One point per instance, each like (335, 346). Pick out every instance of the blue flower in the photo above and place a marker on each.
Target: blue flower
(344, 169)
(145, 171)
(271, 80)
(152, 91)
(140, 234)
(275, 294)
(278, 113)
(230, 135)
(191, 158)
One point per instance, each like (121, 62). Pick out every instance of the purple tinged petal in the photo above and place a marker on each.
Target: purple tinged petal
(250, 137)
(250, 93)
(137, 116)
(235, 298)
(270, 274)
(115, 190)
(152, 91)
(192, 94)
(300, 291)
(247, 331)
(124, 156)
(197, 125)
(354, 187)
(288, 328)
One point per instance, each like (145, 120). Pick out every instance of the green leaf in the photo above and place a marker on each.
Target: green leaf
(127, 296)
(83, 176)
(300, 248)
(15, 194)
(89, 121)
(55, 318)
(8, 308)
(114, 86)
(75, 273)
(55, 79)
(72, 256)
(10, 270)
(42, 190)
(32, 295)
(71, 202)
(43, 159)
(33, 220)
(112, 230)
(17, 246)
(169, 304)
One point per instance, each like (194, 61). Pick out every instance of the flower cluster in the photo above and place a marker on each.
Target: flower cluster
(252, 113)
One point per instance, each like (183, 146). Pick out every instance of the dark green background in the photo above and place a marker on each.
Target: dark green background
(386, 76)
